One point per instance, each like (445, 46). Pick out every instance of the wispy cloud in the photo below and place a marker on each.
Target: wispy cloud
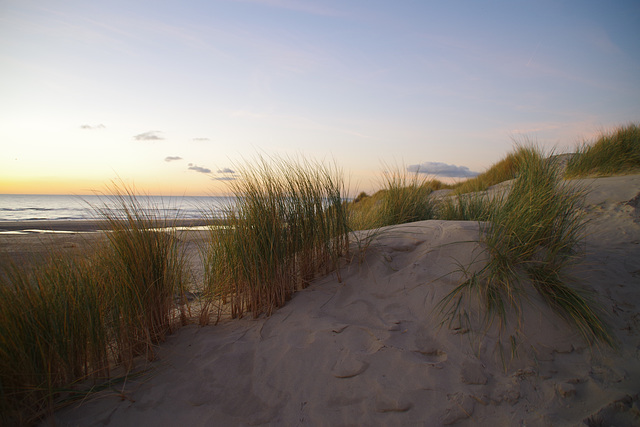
(199, 169)
(201, 139)
(152, 135)
(93, 127)
(225, 174)
(442, 169)
(172, 158)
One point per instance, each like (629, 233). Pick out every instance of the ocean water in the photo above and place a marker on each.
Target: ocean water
(29, 207)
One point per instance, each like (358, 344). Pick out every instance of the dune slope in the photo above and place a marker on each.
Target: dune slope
(370, 350)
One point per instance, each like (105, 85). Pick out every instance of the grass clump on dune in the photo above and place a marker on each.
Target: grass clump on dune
(615, 153)
(404, 198)
(531, 236)
(465, 207)
(53, 331)
(145, 266)
(287, 224)
(363, 211)
(71, 318)
(503, 170)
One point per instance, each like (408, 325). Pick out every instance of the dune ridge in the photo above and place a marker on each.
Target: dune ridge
(370, 350)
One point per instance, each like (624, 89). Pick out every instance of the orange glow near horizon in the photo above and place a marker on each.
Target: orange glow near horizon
(56, 185)
(190, 185)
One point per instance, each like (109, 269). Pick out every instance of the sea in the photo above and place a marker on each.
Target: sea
(30, 207)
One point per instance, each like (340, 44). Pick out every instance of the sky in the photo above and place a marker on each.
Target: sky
(171, 97)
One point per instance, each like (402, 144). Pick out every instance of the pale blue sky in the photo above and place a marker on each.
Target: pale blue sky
(158, 93)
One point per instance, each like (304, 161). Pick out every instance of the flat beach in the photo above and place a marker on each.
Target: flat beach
(32, 241)
(370, 349)
(77, 226)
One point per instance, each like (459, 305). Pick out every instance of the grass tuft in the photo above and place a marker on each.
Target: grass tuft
(465, 207)
(503, 170)
(531, 235)
(615, 153)
(145, 266)
(287, 224)
(70, 319)
(52, 332)
(404, 198)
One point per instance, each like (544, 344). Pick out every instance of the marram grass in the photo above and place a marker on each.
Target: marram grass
(465, 207)
(287, 224)
(501, 171)
(145, 265)
(53, 331)
(617, 152)
(404, 198)
(531, 236)
(69, 319)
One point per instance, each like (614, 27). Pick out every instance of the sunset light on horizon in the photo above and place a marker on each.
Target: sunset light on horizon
(171, 97)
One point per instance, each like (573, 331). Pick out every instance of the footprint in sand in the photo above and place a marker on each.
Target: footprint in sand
(434, 356)
(348, 365)
(430, 349)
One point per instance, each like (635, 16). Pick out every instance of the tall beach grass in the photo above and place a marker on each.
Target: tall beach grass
(53, 331)
(616, 152)
(71, 319)
(503, 170)
(286, 224)
(533, 233)
(465, 207)
(404, 198)
(145, 266)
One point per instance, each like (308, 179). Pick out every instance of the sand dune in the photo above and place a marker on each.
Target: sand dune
(370, 350)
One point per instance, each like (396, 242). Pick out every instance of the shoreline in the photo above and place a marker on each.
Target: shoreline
(81, 225)
(33, 242)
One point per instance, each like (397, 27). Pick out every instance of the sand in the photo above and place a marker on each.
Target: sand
(369, 350)
(33, 241)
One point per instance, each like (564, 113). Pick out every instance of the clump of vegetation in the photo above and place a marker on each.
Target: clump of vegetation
(287, 224)
(614, 153)
(360, 197)
(503, 170)
(71, 318)
(404, 198)
(53, 331)
(145, 265)
(465, 207)
(531, 235)
(363, 212)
